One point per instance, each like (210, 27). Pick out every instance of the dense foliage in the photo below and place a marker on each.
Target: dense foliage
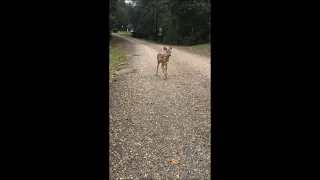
(184, 22)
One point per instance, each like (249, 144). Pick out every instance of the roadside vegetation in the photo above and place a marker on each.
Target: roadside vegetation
(117, 56)
(182, 23)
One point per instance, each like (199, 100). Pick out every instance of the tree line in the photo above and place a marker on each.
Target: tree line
(183, 22)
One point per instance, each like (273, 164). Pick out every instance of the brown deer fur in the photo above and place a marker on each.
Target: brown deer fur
(163, 59)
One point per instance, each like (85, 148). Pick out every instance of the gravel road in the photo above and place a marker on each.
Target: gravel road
(153, 121)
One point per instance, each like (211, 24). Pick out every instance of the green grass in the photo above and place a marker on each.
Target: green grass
(124, 33)
(117, 56)
(203, 48)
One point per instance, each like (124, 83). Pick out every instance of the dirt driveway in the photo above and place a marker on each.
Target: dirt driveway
(153, 121)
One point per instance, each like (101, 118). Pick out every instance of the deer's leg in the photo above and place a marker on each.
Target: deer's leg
(162, 67)
(166, 70)
(157, 69)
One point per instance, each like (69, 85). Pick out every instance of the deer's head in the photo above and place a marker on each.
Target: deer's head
(168, 51)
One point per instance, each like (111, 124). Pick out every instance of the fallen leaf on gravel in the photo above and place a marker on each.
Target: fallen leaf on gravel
(175, 161)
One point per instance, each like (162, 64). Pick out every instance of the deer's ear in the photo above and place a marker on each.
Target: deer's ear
(164, 48)
(170, 48)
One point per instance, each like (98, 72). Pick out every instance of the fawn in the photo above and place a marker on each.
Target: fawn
(163, 58)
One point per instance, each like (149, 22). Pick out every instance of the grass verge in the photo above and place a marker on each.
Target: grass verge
(203, 48)
(117, 56)
(125, 33)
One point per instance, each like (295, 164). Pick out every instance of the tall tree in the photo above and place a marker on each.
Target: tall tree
(183, 22)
